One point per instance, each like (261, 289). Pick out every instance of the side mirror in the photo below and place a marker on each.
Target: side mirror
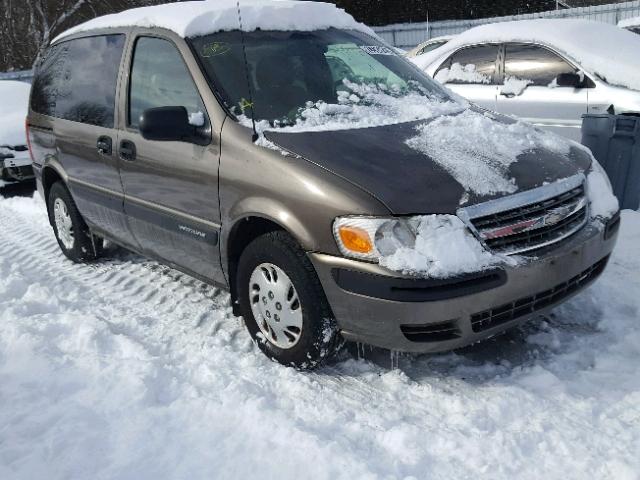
(167, 124)
(572, 80)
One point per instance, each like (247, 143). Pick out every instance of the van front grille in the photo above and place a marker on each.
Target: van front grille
(493, 317)
(531, 220)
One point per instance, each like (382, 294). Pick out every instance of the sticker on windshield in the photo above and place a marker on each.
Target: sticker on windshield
(376, 50)
(215, 48)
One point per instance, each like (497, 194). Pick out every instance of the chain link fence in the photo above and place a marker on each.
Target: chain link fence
(409, 35)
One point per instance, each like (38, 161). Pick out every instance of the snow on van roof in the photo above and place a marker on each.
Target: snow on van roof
(190, 19)
(629, 22)
(599, 48)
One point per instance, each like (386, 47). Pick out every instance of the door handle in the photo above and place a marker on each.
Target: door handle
(104, 145)
(127, 150)
(508, 95)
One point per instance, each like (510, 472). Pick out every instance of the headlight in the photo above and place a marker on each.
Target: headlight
(596, 167)
(370, 238)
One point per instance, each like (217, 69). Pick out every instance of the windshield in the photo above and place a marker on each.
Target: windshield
(328, 70)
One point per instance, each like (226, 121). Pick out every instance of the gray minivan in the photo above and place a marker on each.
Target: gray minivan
(332, 187)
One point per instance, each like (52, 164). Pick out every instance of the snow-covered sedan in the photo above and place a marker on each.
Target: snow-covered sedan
(548, 72)
(15, 161)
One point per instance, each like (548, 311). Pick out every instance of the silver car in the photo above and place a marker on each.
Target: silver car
(547, 72)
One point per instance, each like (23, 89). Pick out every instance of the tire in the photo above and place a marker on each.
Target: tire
(318, 339)
(82, 246)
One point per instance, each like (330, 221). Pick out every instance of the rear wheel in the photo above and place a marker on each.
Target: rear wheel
(283, 303)
(73, 235)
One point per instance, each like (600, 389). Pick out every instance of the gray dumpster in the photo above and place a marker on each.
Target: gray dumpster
(615, 142)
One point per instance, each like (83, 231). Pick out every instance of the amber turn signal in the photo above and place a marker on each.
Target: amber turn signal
(355, 239)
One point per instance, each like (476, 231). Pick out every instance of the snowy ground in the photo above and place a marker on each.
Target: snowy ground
(126, 369)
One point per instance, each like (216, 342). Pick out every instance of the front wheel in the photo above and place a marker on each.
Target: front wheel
(73, 235)
(283, 303)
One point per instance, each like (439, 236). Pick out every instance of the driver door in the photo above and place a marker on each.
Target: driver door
(171, 188)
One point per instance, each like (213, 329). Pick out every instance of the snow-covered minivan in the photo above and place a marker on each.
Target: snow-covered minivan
(286, 153)
(549, 72)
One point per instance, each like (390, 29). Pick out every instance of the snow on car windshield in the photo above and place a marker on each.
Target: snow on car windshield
(322, 80)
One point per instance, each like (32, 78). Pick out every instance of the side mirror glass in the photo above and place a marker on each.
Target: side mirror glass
(169, 124)
(572, 80)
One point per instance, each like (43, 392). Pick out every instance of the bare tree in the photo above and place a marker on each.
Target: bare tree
(28, 26)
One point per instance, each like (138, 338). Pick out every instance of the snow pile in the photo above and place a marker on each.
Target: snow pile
(363, 106)
(477, 150)
(629, 22)
(514, 86)
(195, 18)
(444, 248)
(604, 203)
(602, 49)
(14, 104)
(459, 73)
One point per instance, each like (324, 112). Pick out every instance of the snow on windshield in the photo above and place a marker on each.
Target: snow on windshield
(444, 247)
(363, 106)
(477, 150)
(14, 100)
(190, 19)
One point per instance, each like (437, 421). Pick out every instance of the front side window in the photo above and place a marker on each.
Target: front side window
(534, 64)
(291, 76)
(471, 65)
(160, 78)
(77, 80)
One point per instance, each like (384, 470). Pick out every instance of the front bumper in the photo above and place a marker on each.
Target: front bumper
(379, 307)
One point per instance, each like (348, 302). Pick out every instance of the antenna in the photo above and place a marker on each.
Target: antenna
(246, 68)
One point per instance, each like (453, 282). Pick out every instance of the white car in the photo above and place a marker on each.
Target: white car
(631, 24)
(548, 72)
(429, 45)
(15, 160)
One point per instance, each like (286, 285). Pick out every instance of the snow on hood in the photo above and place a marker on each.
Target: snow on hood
(478, 151)
(190, 19)
(599, 48)
(14, 103)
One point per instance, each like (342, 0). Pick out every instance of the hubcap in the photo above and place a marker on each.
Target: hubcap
(275, 305)
(64, 226)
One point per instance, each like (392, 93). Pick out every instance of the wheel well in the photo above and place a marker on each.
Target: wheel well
(242, 234)
(49, 177)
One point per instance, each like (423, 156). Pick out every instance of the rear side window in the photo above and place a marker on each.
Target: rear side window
(534, 63)
(160, 78)
(77, 80)
(472, 65)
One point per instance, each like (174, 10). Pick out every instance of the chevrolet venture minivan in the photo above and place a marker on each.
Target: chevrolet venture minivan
(331, 186)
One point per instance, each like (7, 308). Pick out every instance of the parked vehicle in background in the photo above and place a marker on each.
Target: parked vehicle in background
(429, 45)
(15, 161)
(631, 24)
(547, 72)
(337, 191)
